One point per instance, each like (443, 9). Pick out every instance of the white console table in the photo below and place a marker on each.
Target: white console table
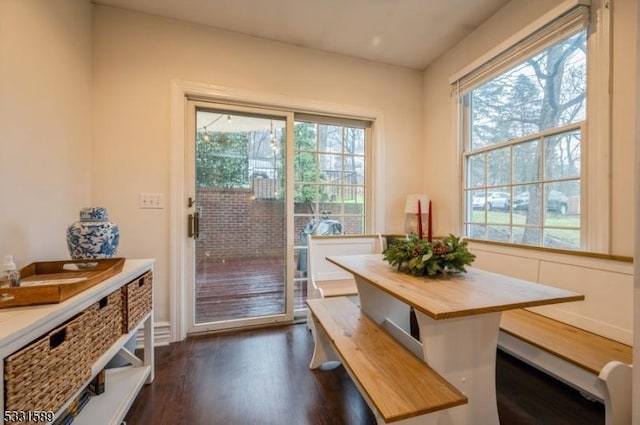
(22, 325)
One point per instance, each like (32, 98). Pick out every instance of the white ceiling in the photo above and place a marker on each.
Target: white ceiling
(409, 33)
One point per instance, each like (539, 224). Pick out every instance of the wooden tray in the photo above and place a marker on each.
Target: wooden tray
(51, 282)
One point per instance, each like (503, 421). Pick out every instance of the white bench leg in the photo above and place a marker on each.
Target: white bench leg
(310, 324)
(323, 350)
(616, 381)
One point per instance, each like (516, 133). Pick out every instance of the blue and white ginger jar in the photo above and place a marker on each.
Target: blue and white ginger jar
(93, 236)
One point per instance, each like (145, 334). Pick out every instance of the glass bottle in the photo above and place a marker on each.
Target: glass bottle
(11, 272)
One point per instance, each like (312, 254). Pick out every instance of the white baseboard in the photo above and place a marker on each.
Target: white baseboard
(161, 335)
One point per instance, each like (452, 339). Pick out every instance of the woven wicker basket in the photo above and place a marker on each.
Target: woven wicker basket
(46, 373)
(137, 300)
(106, 323)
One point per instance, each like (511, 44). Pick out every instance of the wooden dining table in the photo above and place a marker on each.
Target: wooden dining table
(458, 316)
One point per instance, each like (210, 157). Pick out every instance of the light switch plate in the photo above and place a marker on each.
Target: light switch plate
(151, 200)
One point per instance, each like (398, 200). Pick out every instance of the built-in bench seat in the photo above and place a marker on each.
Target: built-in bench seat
(399, 387)
(595, 365)
(336, 287)
(325, 278)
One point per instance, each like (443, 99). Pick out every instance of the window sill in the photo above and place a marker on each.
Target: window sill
(545, 250)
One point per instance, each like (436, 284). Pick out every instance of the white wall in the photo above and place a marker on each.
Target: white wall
(623, 125)
(136, 58)
(45, 124)
(636, 265)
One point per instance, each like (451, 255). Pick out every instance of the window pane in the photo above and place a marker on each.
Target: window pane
(526, 162)
(527, 205)
(328, 194)
(307, 193)
(477, 231)
(353, 169)
(475, 212)
(562, 155)
(499, 167)
(499, 233)
(330, 202)
(475, 170)
(562, 238)
(478, 205)
(527, 235)
(353, 194)
(223, 156)
(305, 136)
(306, 167)
(354, 140)
(495, 217)
(353, 225)
(330, 139)
(499, 199)
(543, 92)
(562, 201)
(330, 168)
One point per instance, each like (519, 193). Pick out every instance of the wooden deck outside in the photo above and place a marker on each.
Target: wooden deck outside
(242, 289)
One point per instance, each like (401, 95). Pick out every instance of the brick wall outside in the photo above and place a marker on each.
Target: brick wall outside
(227, 216)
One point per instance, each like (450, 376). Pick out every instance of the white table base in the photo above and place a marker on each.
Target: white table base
(462, 350)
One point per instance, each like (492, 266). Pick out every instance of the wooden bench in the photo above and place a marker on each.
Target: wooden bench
(336, 287)
(325, 279)
(597, 366)
(399, 387)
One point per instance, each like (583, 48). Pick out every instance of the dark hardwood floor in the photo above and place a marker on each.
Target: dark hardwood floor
(261, 376)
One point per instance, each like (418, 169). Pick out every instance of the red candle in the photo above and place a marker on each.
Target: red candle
(419, 220)
(429, 235)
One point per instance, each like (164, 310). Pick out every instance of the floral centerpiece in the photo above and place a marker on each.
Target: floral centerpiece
(420, 257)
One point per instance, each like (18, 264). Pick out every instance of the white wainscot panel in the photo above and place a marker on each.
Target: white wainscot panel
(608, 306)
(510, 265)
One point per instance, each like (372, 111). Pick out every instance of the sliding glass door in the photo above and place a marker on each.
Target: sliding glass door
(257, 183)
(238, 217)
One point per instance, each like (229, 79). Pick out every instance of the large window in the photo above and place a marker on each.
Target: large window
(523, 128)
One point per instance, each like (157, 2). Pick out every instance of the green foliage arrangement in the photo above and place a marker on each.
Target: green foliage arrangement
(420, 257)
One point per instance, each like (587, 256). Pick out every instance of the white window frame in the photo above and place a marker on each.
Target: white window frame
(596, 145)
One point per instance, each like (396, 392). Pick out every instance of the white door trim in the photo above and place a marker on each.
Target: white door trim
(180, 91)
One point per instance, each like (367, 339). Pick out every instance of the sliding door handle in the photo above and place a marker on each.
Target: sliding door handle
(196, 225)
(193, 225)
